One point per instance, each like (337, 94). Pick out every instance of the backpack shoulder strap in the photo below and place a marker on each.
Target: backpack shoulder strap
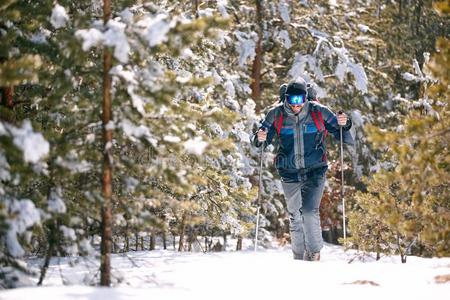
(316, 115)
(278, 121)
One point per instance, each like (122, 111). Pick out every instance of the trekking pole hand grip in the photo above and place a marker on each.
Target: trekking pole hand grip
(340, 113)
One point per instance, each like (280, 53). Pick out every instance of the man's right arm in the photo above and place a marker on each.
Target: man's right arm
(267, 126)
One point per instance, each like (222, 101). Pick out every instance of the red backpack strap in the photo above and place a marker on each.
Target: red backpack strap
(319, 113)
(278, 123)
(316, 120)
(313, 115)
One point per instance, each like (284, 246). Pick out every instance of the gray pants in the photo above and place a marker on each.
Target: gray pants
(303, 201)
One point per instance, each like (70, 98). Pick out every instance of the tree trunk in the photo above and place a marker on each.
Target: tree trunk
(105, 264)
(239, 243)
(164, 240)
(195, 8)
(174, 244)
(52, 239)
(152, 241)
(6, 96)
(136, 237)
(210, 242)
(191, 238)
(257, 62)
(224, 248)
(418, 13)
(182, 232)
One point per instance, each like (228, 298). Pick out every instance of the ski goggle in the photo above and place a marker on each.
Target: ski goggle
(296, 99)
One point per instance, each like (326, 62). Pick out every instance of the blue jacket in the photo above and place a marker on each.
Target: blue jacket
(301, 146)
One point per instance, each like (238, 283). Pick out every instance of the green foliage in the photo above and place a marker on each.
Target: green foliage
(410, 199)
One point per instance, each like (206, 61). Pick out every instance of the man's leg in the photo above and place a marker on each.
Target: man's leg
(293, 196)
(312, 192)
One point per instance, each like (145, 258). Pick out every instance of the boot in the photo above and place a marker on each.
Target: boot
(299, 256)
(311, 256)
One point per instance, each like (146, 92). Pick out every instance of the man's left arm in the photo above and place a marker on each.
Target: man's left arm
(332, 124)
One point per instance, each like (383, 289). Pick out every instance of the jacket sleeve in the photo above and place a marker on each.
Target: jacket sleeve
(268, 124)
(330, 120)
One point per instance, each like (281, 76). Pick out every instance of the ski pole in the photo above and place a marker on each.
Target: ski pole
(259, 195)
(342, 181)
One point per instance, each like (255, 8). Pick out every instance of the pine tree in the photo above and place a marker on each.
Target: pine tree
(408, 200)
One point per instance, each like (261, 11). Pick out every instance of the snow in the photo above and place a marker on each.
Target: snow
(68, 233)
(156, 29)
(195, 146)
(284, 11)
(115, 37)
(363, 28)
(131, 183)
(23, 215)
(283, 35)
(171, 139)
(222, 7)
(229, 87)
(59, 16)
(357, 118)
(72, 163)
(266, 274)
(360, 76)
(5, 175)
(91, 37)
(55, 202)
(333, 3)
(134, 132)
(110, 125)
(125, 74)
(33, 145)
(245, 46)
(358, 72)
(410, 77)
(40, 37)
(126, 15)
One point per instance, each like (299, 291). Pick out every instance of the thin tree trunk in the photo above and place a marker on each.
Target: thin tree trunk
(191, 238)
(210, 242)
(164, 240)
(182, 232)
(174, 244)
(257, 62)
(105, 265)
(239, 243)
(195, 7)
(52, 240)
(136, 237)
(7, 96)
(400, 250)
(152, 241)
(224, 247)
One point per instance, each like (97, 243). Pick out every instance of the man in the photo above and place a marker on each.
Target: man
(301, 126)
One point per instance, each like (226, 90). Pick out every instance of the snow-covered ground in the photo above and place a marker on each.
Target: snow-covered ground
(266, 274)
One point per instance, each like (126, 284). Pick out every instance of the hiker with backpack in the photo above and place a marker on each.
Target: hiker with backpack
(300, 127)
